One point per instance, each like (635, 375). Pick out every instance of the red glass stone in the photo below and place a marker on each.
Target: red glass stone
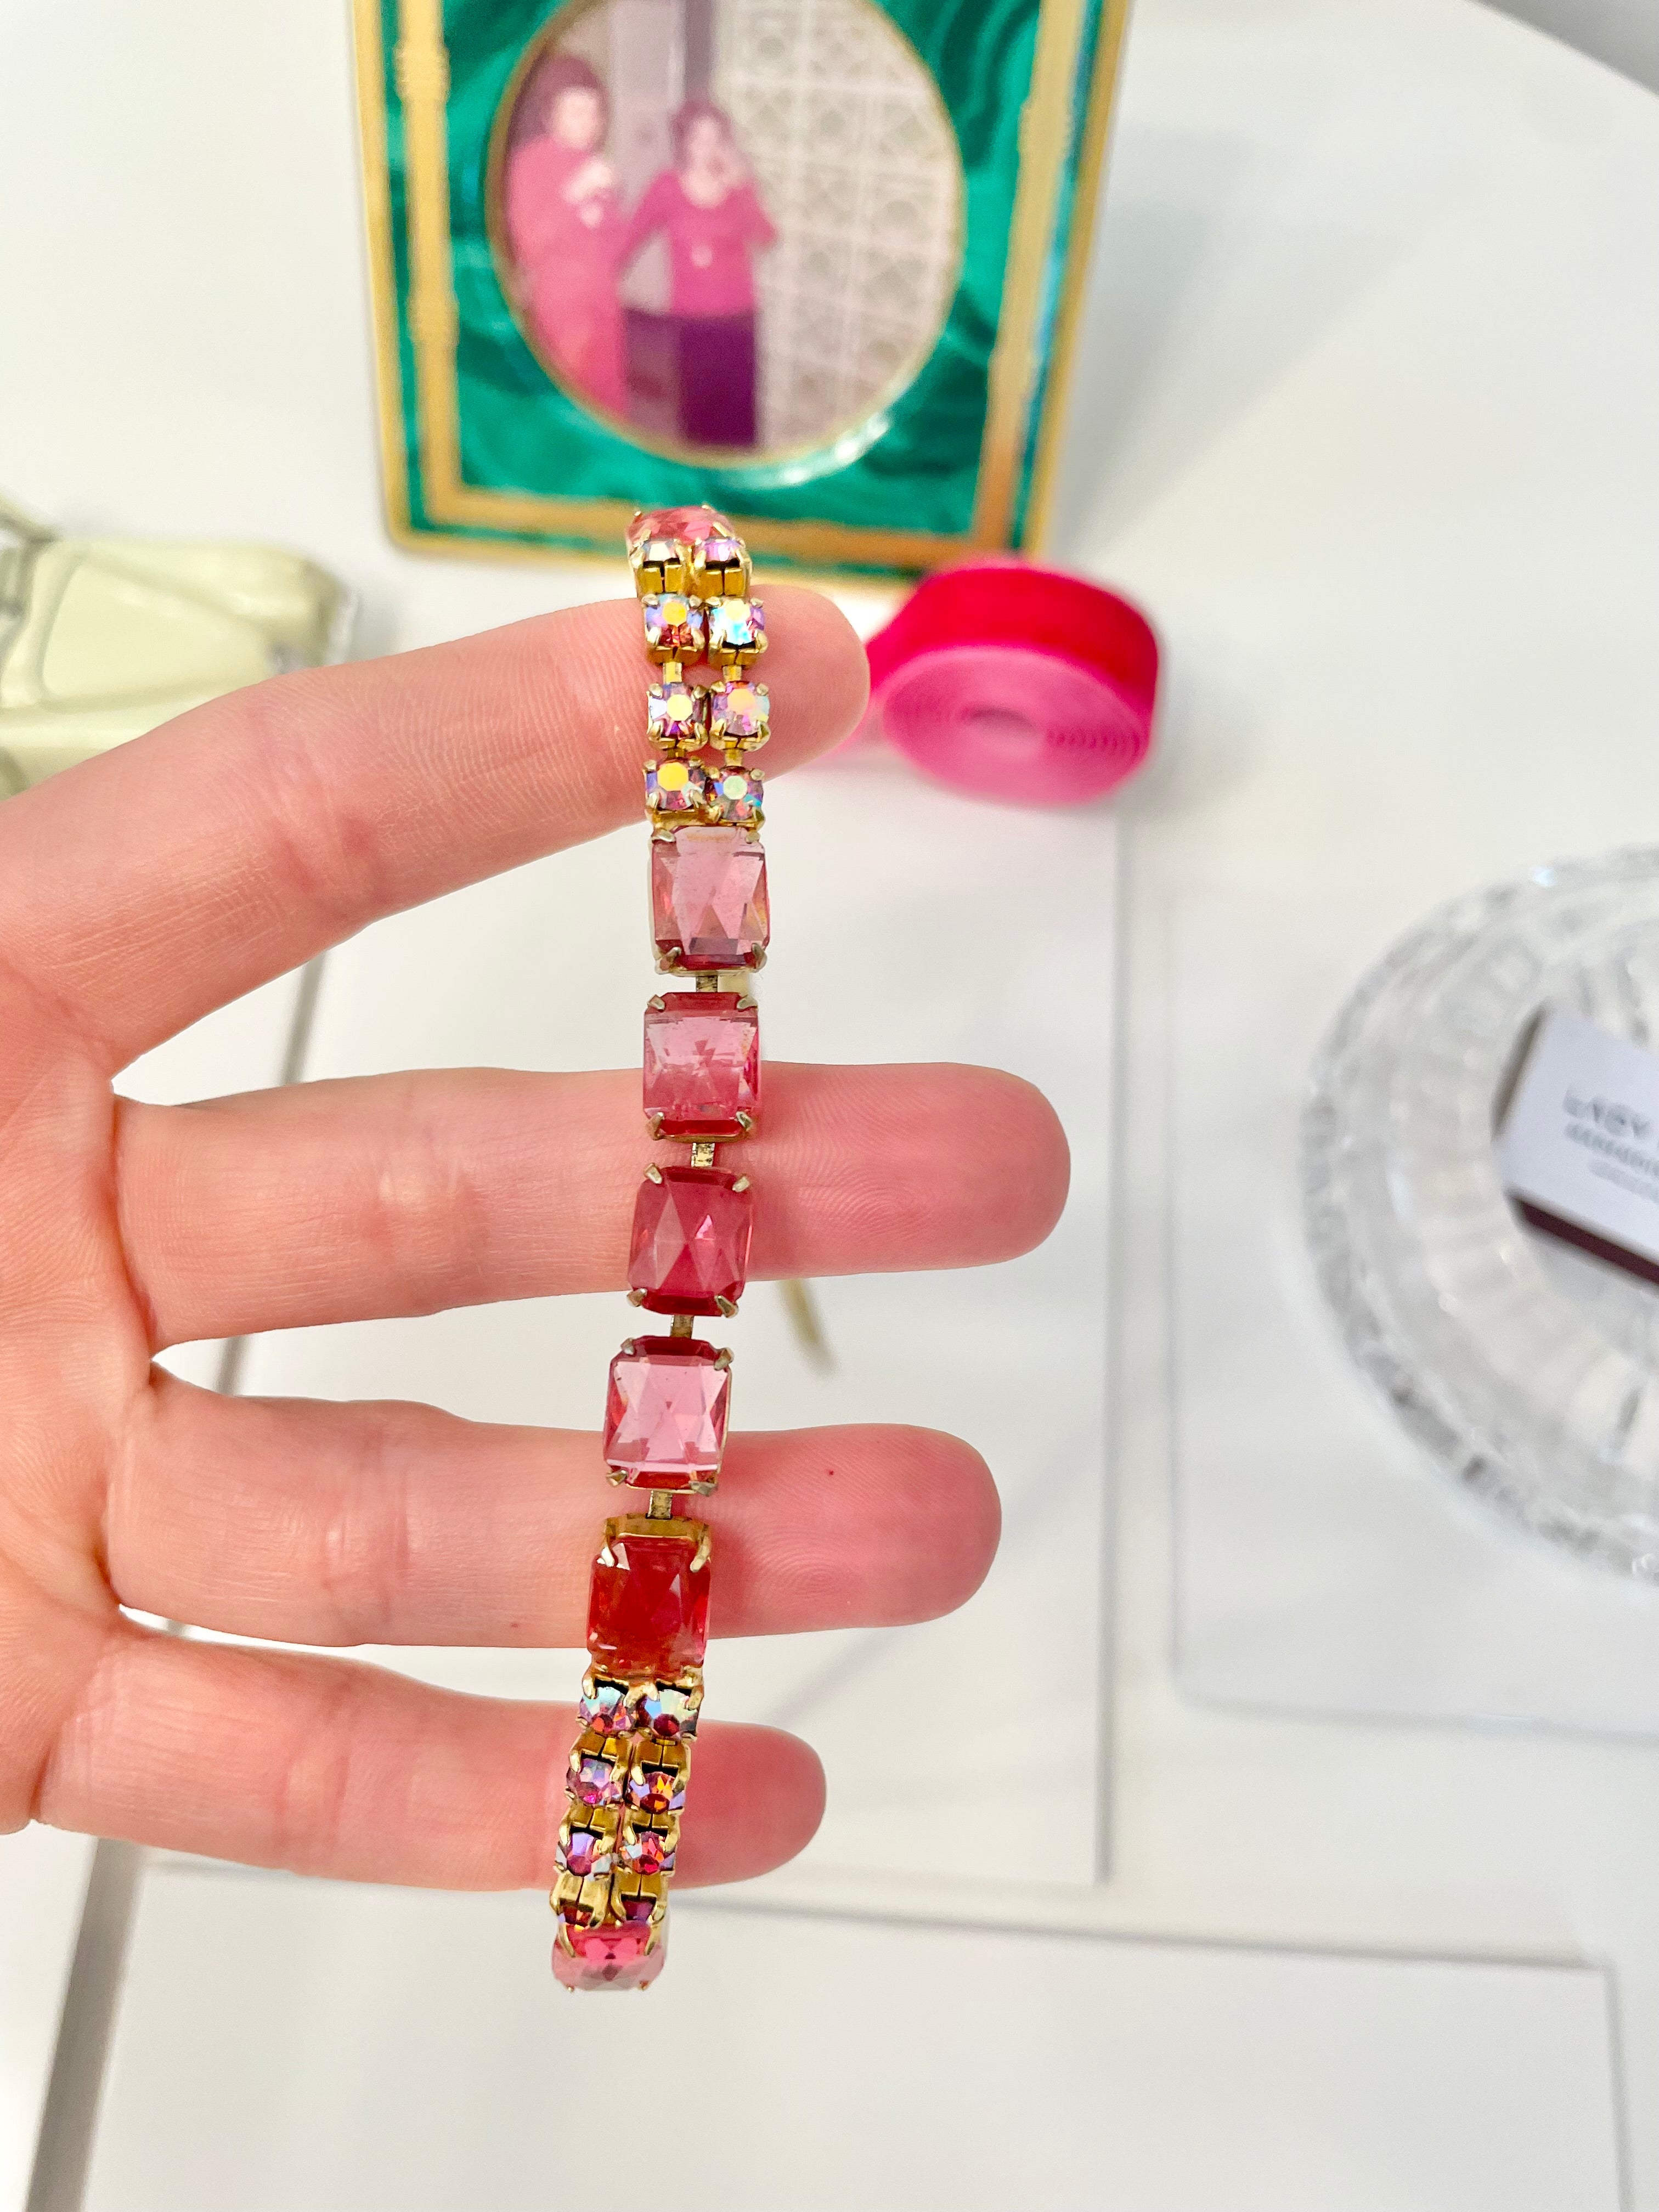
(708, 901)
(702, 1063)
(647, 1609)
(613, 1956)
(665, 1411)
(690, 1245)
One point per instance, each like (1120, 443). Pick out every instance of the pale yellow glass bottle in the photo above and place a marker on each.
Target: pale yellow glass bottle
(103, 638)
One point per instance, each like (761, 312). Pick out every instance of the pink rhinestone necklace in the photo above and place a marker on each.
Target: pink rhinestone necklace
(666, 1409)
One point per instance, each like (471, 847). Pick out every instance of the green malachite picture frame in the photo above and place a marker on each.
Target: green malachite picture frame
(486, 450)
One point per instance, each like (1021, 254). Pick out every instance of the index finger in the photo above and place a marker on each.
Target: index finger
(141, 890)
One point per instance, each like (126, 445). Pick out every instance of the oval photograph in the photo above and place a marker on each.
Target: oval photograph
(731, 226)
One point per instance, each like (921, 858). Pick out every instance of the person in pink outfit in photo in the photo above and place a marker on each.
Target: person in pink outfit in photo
(564, 226)
(707, 206)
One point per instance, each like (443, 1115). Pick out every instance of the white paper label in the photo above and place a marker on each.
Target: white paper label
(1581, 1139)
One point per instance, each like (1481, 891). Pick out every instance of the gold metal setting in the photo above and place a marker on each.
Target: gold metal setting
(643, 1524)
(692, 1486)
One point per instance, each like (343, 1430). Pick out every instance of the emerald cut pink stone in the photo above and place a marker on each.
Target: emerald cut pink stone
(665, 1411)
(702, 1063)
(691, 526)
(708, 903)
(612, 1956)
(689, 1253)
(648, 1608)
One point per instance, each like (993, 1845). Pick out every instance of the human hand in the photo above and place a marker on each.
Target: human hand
(141, 891)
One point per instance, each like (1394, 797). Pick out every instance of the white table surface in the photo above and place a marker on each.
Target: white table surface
(840, 2061)
(1365, 418)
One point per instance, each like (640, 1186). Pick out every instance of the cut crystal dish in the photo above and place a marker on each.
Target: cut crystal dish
(1525, 1368)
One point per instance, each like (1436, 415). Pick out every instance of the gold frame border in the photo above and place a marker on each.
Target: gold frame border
(420, 65)
(1090, 173)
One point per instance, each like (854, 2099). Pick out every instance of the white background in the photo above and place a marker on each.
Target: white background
(1365, 418)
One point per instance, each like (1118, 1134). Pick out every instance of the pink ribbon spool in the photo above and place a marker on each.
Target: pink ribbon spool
(1018, 683)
